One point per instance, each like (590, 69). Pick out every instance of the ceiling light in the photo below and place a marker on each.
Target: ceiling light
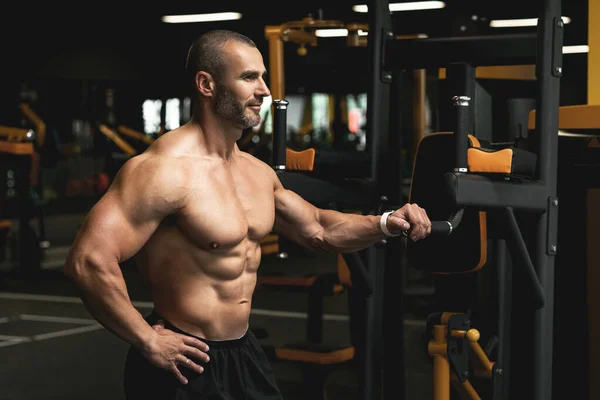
(344, 32)
(513, 23)
(411, 6)
(182, 19)
(337, 32)
(331, 32)
(576, 49)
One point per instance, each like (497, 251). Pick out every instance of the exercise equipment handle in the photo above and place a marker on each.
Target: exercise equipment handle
(279, 133)
(445, 228)
(441, 228)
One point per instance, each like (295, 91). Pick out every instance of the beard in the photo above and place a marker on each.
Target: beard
(231, 110)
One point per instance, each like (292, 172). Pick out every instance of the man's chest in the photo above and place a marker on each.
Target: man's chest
(227, 208)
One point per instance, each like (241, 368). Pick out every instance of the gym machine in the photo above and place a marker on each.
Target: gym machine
(350, 191)
(298, 172)
(23, 188)
(468, 190)
(18, 153)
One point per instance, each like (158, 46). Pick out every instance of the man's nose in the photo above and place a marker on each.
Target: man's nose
(264, 89)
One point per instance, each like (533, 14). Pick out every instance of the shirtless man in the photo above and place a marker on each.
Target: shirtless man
(192, 209)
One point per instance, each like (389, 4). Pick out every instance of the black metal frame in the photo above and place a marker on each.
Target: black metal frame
(510, 49)
(388, 56)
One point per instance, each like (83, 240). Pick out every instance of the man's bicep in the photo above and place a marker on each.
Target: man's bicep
(295, 217)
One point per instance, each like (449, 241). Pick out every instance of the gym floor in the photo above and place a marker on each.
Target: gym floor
(52, 348)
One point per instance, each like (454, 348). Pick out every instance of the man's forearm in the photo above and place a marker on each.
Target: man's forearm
(104, 293)
(345, 233)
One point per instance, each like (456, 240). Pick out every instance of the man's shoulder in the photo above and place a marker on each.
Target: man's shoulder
(257, 164)
(153, 169)
(153, 181)
(148, 161)
(251, 158)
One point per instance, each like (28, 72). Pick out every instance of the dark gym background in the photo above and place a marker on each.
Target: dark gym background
(63, 59)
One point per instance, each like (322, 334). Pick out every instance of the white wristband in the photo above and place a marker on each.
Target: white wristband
(383, 224)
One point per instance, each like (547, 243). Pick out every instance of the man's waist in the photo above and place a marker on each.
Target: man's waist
(215, 323)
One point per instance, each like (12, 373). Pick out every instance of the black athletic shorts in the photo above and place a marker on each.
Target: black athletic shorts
(238, 370)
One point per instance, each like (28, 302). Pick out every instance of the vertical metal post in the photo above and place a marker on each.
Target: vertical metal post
(461, 104)
(548, 71)
(377, 127)
(276, 61)
(501, 371)
(379, 85)
(395, 261)
(461, 82)
(279, 133)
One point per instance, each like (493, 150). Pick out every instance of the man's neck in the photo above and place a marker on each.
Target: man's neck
(215, 136)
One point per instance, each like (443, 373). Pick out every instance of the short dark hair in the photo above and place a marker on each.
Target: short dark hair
(206, 53)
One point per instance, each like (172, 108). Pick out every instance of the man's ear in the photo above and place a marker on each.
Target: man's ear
(205, 84)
